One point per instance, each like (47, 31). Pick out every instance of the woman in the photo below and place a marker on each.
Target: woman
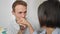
(49, 17)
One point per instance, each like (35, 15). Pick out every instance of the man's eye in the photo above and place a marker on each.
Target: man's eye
(25, 11)
(20, 12)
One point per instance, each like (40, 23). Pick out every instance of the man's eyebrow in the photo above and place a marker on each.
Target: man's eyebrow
(22, 12)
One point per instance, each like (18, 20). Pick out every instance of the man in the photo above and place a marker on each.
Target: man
(19, 10)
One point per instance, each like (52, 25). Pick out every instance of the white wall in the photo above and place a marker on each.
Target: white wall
(5, 9)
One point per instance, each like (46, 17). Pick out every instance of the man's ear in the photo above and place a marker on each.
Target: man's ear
(13, 12)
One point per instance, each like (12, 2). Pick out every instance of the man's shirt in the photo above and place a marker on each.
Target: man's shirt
(14, 28)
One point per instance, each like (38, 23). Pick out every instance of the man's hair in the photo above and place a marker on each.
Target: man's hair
(49, 14)
(18, 3)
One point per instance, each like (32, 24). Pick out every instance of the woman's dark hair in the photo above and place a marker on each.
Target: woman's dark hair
(49, 14)
(52, 0)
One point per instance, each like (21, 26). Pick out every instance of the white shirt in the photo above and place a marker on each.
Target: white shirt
(14, 28)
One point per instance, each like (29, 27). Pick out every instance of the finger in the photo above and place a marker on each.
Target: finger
(23, 25)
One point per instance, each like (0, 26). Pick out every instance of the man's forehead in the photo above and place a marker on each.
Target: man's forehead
(20, 8)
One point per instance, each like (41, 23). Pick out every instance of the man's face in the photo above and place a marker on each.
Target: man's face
(20, 11)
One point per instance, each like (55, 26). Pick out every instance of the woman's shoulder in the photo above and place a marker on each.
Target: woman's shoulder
(56, 31)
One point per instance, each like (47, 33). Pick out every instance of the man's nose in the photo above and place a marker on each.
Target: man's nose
(23, 15)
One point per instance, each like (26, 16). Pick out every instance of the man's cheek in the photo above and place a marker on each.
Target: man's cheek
(17, 18)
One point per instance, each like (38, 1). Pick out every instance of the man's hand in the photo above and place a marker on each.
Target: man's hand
(24, 23)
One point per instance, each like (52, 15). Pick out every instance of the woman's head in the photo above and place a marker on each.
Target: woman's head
(48, 15)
